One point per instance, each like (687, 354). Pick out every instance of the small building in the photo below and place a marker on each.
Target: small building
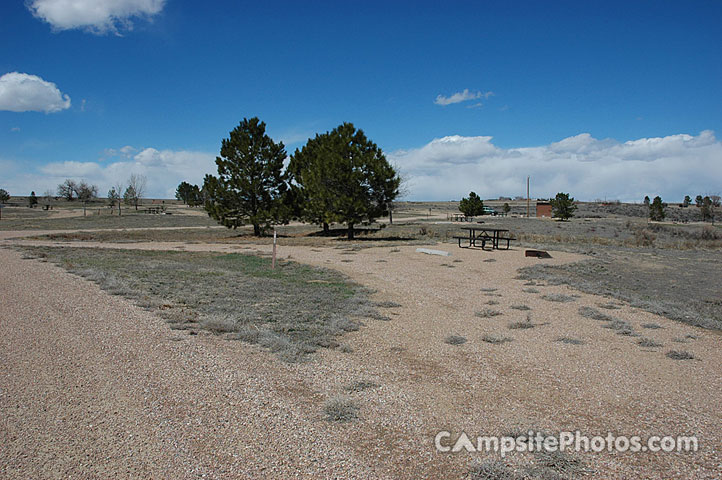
(544, 209)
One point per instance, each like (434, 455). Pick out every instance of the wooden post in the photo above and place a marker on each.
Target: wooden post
(273, 260)
(527, 197)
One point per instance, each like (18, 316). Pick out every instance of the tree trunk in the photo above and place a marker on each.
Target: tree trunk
(256, 230)
(391, 216)
(350, 231)
(326, 229)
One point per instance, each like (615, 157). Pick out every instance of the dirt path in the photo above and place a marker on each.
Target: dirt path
(94, 386)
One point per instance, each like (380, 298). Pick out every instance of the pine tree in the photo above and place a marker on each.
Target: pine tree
(471, 206)
(251, 185)
(342, 176)
(563, 206)
(656, 209)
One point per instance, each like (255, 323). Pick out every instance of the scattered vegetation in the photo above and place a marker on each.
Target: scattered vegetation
(341, 409)
(595, 314)
(455, 340)
(651, 326)
(521, 307)
(522, 324)
(570, 340)
(496, 339)
(680, 355)
(609, 306)
(292, 310)
(387, 304)
(648, 342)
(487, 313)
(360, 386)
(558, 297)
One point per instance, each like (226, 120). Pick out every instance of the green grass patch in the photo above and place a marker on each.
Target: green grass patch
(292, 310)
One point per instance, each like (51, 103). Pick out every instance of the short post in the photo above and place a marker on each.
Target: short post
(273, 259)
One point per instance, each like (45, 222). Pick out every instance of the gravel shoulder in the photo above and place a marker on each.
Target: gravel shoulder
(94, 386)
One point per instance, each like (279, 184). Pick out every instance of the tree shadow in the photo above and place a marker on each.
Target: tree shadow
(360, 234)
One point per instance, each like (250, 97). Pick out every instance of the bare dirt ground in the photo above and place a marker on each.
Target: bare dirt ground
(93, 386)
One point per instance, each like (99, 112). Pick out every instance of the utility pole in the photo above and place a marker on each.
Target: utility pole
(527, 197)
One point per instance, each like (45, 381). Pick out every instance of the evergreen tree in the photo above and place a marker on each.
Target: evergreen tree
(342, 176)
(563, 206)
(656, 209)
(32, 200)
(471, 206)
(183, 192)
(251, 185)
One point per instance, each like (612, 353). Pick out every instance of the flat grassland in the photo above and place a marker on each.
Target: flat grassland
(354, 354)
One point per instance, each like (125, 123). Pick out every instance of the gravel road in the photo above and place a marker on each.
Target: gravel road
(92, 386)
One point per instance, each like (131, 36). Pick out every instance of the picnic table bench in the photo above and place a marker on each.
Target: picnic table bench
(485, 234)
(155, 210)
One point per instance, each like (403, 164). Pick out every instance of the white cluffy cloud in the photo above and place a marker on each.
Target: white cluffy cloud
(97, 16)
(462, 96)
(673, 166)
(20, 92)
(164, 169)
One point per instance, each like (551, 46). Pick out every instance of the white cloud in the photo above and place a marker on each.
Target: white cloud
(672, 166)
(20, 92)
(164, 169)
(97, 16)
(462, 96)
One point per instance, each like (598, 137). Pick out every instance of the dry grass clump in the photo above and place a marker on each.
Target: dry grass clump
(570, 340)
(492, 470)
(556, 464)
(522, 325)
(609, 306)
(648, 342)
(387, 304)
(361, 385)
(651, 326)
(455, 340)
(489, 289)
(530, 290)
(520, 307)
(595, 314)
(617, 325)
(680, 355)
(558, 297)
(487, 313)
(496, 339)
(341, 409)
(547, 466)
(492, 302)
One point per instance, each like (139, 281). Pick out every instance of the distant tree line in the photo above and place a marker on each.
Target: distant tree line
(338, 177)
(189, 194)
(708, 205)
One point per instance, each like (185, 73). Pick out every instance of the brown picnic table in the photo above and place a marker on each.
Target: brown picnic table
(485, 234)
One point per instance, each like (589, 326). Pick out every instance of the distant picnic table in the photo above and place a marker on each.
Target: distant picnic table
(485, 234)
(155, 210)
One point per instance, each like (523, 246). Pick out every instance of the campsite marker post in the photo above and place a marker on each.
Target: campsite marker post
(273, 260)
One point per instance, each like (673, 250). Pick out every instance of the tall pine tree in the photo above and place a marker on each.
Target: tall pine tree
(251, 185)
(342, 176)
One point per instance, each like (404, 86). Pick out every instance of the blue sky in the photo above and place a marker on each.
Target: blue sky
(601, 99)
